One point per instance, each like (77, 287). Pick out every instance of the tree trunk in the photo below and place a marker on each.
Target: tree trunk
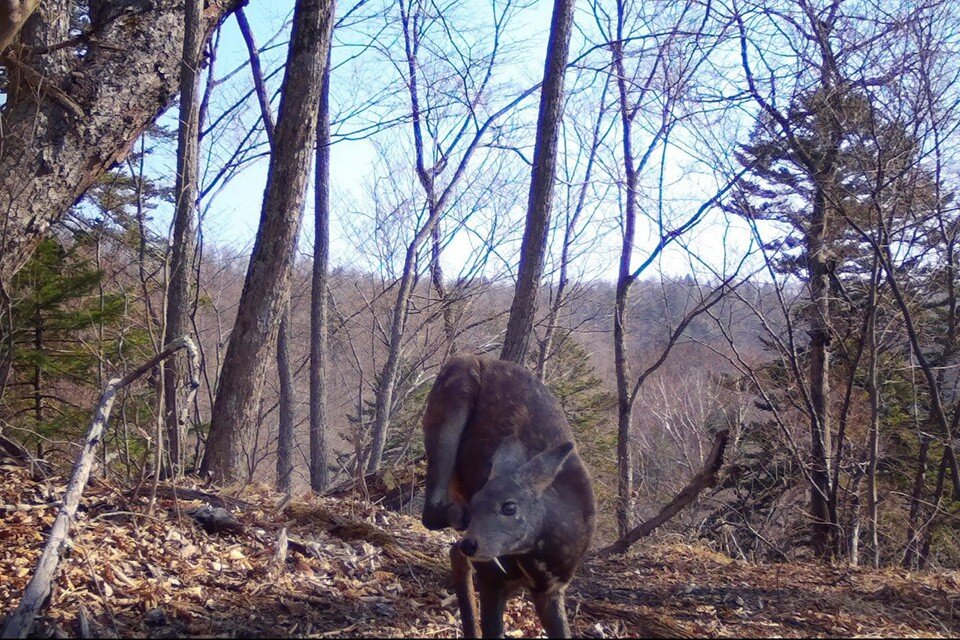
(436, 279)
(916, 498)
(624, 410)
(853, 526)
(319, 348)
(624, 281)
(388, 375)
(56, 143)
(38, 371)
(569, 233)
(824, 524)
(268, 275)
(928, 527)
(13, 15)
(285, 432)
(183, 242)
(873, 435)
(533, 248)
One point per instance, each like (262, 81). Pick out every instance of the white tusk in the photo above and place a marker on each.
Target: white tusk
(496, 561)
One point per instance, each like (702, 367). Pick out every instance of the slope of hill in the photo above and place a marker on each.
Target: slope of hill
(357, 570)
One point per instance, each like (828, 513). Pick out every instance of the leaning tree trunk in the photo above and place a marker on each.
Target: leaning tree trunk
(284, 367)
(20, 621)
(534, 246)
(62, 136)
(916, 499)
(387, 381)
(319, 348)
(182, 249)
(268, 275)
(13, 15)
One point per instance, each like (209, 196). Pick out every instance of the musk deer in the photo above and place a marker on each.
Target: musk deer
(502, 465)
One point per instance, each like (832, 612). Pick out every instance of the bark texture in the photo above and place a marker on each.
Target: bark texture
(534, 245)
(56, 142)
(319, 475)
(268, 274)
(285, 432)
(183, 243)
(13, 15)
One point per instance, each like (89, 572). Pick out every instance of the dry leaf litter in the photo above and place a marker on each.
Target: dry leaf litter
(353, 569)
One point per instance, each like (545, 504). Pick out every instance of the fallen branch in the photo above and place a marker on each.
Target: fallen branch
(640, 624)
(12, 450)
(706, 478)
(351, 530)
(183, 494)
(21, 621)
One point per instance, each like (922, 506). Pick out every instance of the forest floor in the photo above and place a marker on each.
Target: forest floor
(159, 574)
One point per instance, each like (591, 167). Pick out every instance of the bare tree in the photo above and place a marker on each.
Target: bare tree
(542, 178)
(455, 150)
(319, 347)
(183, 241)
(651, 79)
(268, 276)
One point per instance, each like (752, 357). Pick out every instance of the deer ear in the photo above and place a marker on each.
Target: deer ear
(540, 470)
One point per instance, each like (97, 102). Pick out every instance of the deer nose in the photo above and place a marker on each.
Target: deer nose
(468, 546)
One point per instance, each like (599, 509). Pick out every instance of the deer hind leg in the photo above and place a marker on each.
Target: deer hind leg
(444, 420)
(463, 587)
(552, 611)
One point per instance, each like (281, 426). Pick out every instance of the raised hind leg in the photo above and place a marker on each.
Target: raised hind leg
(448, 410)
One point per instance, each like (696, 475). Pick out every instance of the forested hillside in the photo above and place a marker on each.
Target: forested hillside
(240, 240)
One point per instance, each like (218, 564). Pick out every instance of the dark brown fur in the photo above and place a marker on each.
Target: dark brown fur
(493, 402)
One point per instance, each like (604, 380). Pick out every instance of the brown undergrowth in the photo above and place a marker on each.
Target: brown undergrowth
(360, 570)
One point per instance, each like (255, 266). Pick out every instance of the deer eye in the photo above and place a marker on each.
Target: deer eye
(509, 508)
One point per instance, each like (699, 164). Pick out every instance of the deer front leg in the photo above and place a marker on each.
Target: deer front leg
(463, 587)
(493, 603)
(552, 611)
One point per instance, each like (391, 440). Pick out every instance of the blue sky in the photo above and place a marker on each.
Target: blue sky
(231, 218)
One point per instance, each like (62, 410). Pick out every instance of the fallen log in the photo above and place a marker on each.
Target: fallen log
(37, 592)
(707, 477)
